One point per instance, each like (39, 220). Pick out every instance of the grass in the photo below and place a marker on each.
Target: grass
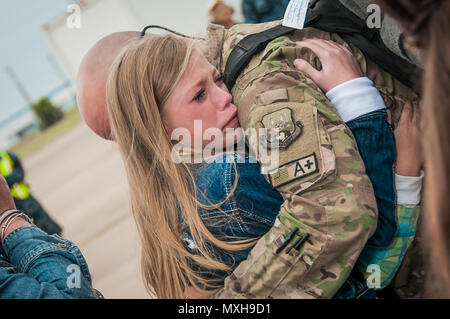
(38, 139)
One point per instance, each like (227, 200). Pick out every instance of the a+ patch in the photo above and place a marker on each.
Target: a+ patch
(299, 168)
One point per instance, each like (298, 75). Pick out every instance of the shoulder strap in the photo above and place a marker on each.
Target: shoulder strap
(330, 16)
(333, 16)
(242, 53)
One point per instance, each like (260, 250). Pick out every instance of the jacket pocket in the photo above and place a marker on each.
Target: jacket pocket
(291, 143)
(269, 263)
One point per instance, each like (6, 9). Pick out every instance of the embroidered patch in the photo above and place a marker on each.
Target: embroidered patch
(281, 128)
(299, 168)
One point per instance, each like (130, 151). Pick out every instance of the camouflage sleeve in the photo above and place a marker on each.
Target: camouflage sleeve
(389, 259)
(328, 197)
(329, 210)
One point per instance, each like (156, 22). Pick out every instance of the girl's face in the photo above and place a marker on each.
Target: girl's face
(201, 96)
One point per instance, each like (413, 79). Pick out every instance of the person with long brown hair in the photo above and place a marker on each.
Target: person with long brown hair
(146, 92)
(427, 24)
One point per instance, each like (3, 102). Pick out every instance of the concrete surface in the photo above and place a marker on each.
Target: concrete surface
(81, 182)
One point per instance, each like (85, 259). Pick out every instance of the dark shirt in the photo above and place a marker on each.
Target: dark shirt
(258, 11)
(17, 175)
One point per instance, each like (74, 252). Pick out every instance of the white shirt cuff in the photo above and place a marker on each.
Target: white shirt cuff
(408, 189)
(355, 98)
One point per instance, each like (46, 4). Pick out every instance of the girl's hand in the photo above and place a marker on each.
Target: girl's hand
(408, 142)
(338, 63)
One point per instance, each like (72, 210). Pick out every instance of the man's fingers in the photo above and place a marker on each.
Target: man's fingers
(314, 46)
(307, 68)
(328, 44)
(389, 117)
(343, 47)
(406, 115)
(324, 49)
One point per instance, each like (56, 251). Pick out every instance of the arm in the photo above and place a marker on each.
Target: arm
(313, 271)
(360, 104)
(17, 175)
(332, 202)
(47, 266)
(408, 183)
(390, 258)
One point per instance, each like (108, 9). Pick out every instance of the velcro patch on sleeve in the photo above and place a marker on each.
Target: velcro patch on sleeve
(296, 169)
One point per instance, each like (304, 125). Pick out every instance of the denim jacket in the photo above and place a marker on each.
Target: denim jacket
(254, 205)
(34, 265)
(249, 213)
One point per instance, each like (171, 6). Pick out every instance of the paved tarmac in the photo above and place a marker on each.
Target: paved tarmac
(81, 182)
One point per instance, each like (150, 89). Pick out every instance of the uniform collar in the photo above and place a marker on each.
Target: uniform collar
(213, 44)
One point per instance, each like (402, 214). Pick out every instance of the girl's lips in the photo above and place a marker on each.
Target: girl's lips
(232, 123)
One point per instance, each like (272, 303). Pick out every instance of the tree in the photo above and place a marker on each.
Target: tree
(47, 113)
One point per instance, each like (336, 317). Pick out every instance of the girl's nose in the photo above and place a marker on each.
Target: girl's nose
(224, 98)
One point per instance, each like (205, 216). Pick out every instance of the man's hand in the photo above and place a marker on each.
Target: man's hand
(6, 200)
(338, 63)
(407, 140)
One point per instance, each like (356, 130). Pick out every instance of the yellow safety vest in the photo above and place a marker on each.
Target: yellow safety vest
(18, 190)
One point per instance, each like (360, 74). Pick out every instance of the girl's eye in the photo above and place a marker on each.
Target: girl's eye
(219, 79)
(199, 95)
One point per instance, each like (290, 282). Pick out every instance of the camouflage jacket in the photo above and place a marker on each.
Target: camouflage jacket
(320, 175)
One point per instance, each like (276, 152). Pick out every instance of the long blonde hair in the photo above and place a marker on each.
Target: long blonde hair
(163, 193)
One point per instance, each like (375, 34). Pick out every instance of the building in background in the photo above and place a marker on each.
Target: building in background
(101, 17)
(97, 19)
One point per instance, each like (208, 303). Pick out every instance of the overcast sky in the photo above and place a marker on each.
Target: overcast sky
(25, 50)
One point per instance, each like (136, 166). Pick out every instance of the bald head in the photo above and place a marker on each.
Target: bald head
(91, 80)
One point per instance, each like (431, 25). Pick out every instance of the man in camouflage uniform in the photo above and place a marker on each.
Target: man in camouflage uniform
(321, 175)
